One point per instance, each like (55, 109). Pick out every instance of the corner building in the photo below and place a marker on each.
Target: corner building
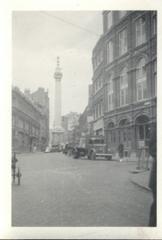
(98, 88)
(129, 73)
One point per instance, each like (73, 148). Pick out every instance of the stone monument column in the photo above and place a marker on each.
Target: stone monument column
(57, 113)
(58, 132)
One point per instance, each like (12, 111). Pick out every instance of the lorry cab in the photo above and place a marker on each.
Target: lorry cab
(92, 147)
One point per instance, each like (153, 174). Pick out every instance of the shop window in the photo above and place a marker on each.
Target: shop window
(143, 128)
(141, 132)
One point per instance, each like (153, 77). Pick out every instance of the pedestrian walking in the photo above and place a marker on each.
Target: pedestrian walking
(152, 180)
(121, 151)
(13, 165)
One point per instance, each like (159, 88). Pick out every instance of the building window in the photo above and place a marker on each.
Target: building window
(124, 136)
(122, 42)
(109, 20)
(98, 58)
(100, 108)
(94, 114)
(124, 87)
(140, 28)
(143, 128)
(109, 52)
(101, 56)
(141, 83)
(155, 76)
(110, 94)
(122, 14)
(114, 137)
(98, 84)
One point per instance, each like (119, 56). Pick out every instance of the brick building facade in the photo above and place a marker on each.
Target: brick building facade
(28, 123)
(124, 59)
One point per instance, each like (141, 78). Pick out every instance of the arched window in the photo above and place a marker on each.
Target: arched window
(141, 83)
(110, 93)
(124, 131)
(124, 87)
(142, 128)
(111, 125)
(140, 28)
(124, 122)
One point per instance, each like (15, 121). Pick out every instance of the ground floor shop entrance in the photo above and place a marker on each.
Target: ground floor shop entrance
(127, 136)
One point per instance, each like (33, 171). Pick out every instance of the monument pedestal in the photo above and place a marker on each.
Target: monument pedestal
(57, 136)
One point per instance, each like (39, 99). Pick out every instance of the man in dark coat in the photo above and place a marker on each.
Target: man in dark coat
(152, 181)
(13, 165)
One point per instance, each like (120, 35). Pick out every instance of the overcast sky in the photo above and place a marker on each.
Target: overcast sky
(39, 37)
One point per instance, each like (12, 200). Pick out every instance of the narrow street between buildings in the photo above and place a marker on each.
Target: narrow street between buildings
(57, 190)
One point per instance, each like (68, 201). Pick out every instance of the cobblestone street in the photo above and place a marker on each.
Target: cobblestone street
(57, 190)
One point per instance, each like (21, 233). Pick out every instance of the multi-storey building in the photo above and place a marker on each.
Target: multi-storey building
(41, 99)
(128, 69)
(98, 87)
(69, 122)
(27, 123)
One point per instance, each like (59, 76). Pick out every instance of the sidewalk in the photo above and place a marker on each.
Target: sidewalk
(141, 178)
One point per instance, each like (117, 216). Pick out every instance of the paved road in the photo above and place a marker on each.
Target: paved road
(57, 190)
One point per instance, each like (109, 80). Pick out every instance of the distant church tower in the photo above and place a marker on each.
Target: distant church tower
(57, 134)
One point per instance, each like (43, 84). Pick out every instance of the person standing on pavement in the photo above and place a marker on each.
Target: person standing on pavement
(153, 175)
(121, 151)
(13, 165)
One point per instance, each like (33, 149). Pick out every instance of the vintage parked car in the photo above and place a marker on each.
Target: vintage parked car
(53, 148)
(56, 148)
(93, 147)
(68, 148)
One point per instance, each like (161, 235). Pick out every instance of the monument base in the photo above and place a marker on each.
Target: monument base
(58, 136)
